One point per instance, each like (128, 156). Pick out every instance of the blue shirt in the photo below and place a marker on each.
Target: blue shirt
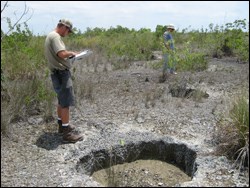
(168, 39)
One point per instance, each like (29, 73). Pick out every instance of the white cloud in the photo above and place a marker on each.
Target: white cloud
(131, 14)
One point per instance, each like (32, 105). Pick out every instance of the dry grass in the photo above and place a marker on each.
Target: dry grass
(233, 133)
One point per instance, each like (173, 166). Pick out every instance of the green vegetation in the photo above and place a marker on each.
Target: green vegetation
(26, 86)
(233, 132)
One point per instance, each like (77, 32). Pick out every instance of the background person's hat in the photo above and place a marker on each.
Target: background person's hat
(67, 23)
(170, 26)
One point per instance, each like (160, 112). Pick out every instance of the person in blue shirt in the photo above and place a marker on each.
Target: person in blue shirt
(169, 62)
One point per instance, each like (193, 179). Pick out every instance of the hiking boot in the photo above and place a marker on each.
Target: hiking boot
(60, 127)
(71, 137)
(62, 130)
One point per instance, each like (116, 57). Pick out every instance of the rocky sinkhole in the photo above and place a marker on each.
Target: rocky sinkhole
(164, 150)
(182, 90)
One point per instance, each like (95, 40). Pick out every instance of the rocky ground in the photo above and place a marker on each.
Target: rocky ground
(132, 99)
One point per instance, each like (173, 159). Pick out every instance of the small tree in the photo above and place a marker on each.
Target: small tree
(19, 21)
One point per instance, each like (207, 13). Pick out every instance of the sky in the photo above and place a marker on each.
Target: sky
(130, 14)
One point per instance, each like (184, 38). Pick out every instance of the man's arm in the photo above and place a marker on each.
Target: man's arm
(167, 44)
(65, 54)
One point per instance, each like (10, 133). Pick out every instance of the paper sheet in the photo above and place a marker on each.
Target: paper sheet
(79, 56)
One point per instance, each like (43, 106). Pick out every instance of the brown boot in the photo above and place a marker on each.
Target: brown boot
(69, 128)
(71, 137)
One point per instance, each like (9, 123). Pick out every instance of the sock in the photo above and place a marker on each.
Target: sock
(59, 121)
(65, 125)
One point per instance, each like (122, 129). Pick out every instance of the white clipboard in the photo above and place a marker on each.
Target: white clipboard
(79, 56)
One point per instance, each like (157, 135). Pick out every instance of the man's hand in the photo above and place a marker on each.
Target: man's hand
(66, 54)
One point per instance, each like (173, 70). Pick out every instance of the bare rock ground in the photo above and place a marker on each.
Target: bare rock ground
(127, 100)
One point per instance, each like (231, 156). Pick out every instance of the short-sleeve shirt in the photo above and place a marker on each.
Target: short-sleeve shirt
(53, 45)
(168, 39)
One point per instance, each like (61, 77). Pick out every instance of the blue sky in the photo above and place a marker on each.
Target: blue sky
(130, 14)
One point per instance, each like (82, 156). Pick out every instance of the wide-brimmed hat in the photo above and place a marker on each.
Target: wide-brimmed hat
(170, 26)
(67, 23)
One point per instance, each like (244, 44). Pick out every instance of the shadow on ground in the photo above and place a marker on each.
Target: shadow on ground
(49, 141)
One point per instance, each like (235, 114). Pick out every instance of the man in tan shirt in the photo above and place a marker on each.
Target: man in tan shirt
(56, 54)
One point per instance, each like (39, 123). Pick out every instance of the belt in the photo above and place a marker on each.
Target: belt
(58, 71)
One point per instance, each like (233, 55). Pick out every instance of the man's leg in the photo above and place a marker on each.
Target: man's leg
(63, 113)
(66, 99)
(66, 128)
(174, 64)
(59, 118)
(165, 63)
(59, 111)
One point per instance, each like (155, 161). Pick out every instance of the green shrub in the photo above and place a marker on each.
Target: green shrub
(233, 132)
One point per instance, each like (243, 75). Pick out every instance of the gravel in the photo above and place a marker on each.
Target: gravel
(123, 101)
